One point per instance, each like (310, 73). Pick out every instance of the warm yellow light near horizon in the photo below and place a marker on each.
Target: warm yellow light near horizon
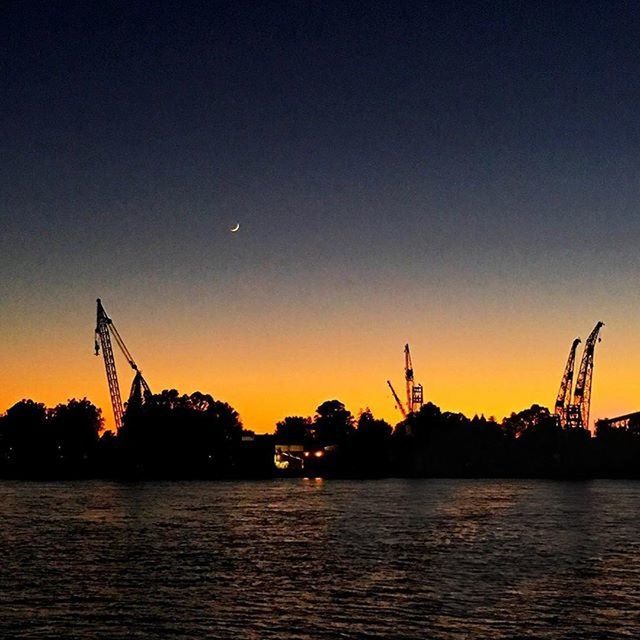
(288, 359)
(266, 375)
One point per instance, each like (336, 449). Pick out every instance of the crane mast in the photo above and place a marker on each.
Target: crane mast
(564, 394)
(408, 377)
(578, 413)
(414, 391)
(105, 330)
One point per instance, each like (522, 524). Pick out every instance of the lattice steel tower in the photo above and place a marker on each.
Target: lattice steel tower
(139, 389)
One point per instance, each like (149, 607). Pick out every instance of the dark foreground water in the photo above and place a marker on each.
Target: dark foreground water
(313, 559)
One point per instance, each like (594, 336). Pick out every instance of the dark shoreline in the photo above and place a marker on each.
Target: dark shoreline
(179, 437)
(121, 479)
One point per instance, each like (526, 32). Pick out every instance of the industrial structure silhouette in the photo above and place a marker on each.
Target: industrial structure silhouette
(172, 435)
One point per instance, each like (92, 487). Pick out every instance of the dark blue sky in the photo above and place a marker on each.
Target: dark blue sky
(137, 128)
(375, 154)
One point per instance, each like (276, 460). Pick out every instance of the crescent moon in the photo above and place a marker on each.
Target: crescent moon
(235, 228)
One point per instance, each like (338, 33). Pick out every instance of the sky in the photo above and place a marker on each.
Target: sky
(461, 176)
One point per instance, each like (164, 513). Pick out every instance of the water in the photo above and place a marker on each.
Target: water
(446, 559)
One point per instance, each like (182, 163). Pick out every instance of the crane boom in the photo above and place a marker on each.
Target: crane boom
(102, 333)
(581, 406)
(582, 393)
(566, 384)
(140, 391)
(398, 402)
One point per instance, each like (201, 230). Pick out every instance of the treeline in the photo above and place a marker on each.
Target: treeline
(435, 443)
(194, 436)
(38, 442)
(169, 436)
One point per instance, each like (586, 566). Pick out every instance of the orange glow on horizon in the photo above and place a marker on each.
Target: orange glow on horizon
(269, 368)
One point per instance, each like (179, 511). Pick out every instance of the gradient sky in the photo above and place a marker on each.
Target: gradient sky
(461, 176)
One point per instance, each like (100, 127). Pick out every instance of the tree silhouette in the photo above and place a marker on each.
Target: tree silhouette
(293, 430)
(369, 428)
(369, 451)
(517, 423)
(40, 442)
(177, 435)
(75, 428)
(24, 438)
(332, 424)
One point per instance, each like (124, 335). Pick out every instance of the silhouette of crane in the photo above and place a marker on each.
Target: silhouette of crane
(566, 385)
(414, 391)
(139, 388)
(578, 411)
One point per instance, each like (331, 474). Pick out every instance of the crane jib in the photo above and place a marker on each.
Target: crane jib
(105, 330)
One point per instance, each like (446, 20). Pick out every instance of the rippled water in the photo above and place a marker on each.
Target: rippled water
(313, 559)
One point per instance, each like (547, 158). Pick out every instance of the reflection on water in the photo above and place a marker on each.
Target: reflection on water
(311, 559)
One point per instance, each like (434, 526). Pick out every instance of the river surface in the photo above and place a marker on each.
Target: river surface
(282, 559)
